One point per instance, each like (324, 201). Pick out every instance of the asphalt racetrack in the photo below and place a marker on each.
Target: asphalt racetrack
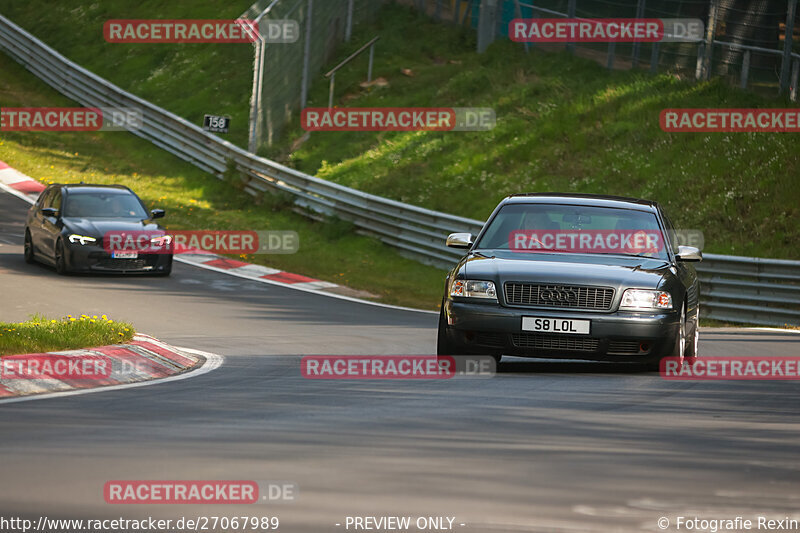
(540, 447)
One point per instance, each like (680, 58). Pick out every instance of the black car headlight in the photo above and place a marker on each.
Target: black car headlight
(645, 300)
(474, 289)
(83, 239)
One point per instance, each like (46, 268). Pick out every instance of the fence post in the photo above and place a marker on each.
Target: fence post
(711, 30)
(518, 12)
(255, 101)
(610, 58)
(793, 84)
(330, 91)
(571, 8)
(349, 31)
(745, 70)
(438, 13)
(487, 24)
(654, 58)
(307, 54)
(456, 11)
(787, 45)
(371, 58)
(701, 54)
(636, 44)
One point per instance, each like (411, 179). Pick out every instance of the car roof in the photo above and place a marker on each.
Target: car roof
(88, 188)
(595, 200)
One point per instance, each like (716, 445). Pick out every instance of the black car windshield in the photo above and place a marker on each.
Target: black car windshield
(104, 205)
(556, 228)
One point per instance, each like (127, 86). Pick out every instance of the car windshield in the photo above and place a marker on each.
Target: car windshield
(104, 205)
(532, 228)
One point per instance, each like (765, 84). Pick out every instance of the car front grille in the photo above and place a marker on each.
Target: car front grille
(121, 264)
(628, 347)
(490, 338)
(554, 342)
(561, 296)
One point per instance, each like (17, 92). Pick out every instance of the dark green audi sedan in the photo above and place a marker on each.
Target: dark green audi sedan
(572, 276)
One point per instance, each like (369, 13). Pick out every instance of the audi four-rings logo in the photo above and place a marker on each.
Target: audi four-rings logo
(558, 295)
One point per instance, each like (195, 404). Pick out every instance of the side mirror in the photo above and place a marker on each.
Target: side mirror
(49, 211)
(157, 213)
(688, 254)
(460, 240)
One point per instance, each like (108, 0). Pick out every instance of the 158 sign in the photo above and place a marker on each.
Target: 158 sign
(216, 124)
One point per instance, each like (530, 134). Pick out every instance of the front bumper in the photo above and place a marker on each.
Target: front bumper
(90, 258)
(479, 328)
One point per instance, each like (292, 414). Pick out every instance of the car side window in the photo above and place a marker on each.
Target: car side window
(55, 201)
(672, 235)
(44, 199)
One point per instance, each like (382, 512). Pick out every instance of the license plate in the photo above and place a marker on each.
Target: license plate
(124, 255)
(555, 325)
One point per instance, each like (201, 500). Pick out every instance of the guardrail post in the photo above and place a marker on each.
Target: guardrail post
(438, 13)
(745, 70)
(793, 84)
(637, 44)
(654, 58)
(571, 9)
(787, 45)
(456, 11)
(307, 54)
(610, 58)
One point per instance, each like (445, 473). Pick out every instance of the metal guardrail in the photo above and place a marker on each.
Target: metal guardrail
(418, 231)
(736, 289)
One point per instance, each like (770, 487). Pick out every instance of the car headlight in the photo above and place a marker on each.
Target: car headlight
(83, 239)
(163, 240)
(644, 300)
(474, 289)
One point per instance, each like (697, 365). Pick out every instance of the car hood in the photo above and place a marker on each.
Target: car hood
(97, 227)
(568, 269)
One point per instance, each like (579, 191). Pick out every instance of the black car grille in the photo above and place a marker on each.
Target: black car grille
(553, 342)
(490, 338)
(121, 264)
(562, 296)
(628, 347)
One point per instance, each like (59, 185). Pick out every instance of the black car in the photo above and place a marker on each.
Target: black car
(548, 276)
(67, 225)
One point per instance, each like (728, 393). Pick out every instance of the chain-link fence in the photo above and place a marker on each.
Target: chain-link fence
(745, 44)
(288, 68)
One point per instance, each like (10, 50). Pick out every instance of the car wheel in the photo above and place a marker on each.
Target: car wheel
(28, 248)
(693, 342)
(61, 259)
(443, 344)
(679, 347)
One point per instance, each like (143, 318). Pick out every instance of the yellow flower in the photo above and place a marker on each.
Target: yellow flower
(53, 321)
(104, 317)
(72, 320)
(95, 317)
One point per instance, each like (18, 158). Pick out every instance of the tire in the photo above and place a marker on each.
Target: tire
(28, 248)
(679, 345)
(693, 342)
(61, 259)
(443, 344)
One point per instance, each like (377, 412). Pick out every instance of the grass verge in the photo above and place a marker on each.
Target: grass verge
(196, 200)
(42, 334)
